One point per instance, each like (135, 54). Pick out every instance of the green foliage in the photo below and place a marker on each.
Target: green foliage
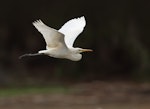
(4, 92)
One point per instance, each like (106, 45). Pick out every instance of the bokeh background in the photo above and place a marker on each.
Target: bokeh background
(117, 31)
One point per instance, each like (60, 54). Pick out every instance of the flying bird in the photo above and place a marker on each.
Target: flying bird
(59, 43)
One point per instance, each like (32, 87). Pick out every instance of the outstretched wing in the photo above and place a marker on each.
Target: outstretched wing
(52, 37)
(72, 29)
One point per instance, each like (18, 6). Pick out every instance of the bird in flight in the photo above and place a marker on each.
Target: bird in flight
(59, 43)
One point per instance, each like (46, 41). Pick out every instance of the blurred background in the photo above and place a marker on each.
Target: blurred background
(117, 31)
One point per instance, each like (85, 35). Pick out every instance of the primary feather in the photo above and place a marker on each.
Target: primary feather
(72, 29)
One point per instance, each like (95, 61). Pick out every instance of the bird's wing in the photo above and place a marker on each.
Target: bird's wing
(52, 37)
(72, 29)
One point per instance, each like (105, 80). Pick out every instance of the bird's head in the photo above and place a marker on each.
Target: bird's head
(76, 55)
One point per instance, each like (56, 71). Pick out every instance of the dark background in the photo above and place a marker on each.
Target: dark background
(117, 31)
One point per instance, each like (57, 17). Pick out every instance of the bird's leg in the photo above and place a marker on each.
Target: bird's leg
(35, 54)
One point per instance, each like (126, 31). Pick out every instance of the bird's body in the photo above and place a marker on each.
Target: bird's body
(59, 43)
(65, 54)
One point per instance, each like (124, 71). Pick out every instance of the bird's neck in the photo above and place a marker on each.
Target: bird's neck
(74, 56)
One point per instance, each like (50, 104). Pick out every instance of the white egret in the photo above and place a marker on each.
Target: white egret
(59, 43)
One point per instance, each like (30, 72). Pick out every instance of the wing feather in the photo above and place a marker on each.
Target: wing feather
(52, 37)
(72, 29)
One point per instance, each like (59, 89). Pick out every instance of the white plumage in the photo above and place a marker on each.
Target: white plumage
(59, 43)
(72, 29)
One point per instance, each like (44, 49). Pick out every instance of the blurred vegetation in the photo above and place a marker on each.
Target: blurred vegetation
(117, 31)
(9, 92)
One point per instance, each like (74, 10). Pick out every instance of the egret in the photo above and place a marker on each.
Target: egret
(59, 43)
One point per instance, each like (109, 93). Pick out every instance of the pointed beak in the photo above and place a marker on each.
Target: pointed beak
(86, 50)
